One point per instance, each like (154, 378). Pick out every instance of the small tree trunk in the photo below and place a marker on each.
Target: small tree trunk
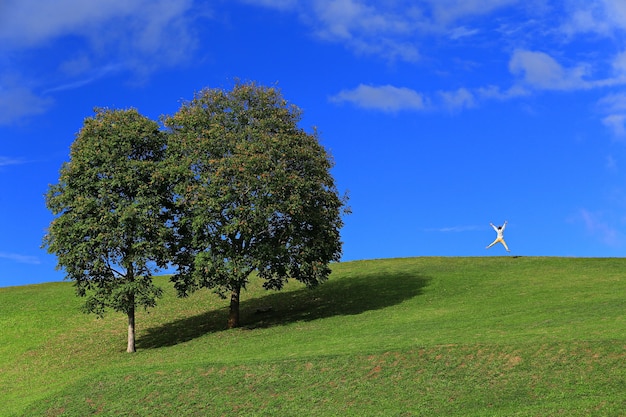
(233, 315)
(131, 329)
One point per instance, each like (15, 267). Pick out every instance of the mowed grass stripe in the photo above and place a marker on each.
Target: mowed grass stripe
(475, 335)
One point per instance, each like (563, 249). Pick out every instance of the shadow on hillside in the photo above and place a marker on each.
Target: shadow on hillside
(347, 296)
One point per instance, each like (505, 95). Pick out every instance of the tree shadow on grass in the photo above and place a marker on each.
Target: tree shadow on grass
(342, 297)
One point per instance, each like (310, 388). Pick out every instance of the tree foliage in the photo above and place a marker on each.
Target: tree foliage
(109, 233)
(253, 192)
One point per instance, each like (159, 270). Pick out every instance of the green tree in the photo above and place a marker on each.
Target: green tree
(253, 192)
(109, 232)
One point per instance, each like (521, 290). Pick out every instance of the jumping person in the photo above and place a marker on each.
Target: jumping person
(500, 231)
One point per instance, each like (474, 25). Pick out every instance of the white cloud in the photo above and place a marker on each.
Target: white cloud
(22, 259)
(386, 98)
(533, 70)
(539, 70)
(389, 98)
(496, 93)
(459, 99)
(401, 30)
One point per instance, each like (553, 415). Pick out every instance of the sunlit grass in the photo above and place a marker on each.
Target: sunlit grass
(421, 336)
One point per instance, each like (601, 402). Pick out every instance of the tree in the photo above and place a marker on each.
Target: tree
(253, 193)
(110, 233)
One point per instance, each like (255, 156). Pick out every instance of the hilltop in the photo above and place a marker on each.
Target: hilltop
(417, 336)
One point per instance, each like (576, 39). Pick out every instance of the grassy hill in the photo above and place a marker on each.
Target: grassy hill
(497, 336)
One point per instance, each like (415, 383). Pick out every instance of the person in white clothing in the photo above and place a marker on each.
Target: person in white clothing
(500, 238)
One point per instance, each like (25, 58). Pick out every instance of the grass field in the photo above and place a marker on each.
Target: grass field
(499, 336)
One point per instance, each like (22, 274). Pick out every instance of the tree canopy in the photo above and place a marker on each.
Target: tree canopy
(110, 203)
(231, 187)
(252, 192)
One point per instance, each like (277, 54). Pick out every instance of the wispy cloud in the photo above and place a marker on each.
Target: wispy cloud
(614, 102)
(91, 76)
(399, 29)
(616, 124)
(22, 259)
(600, 228)
(6, 161)
(274, 4)
(494, 92)
(137, 36)
(450, 11)
(386, 29)
(456, 229)
(402, 31)
(18, 101)
(602, 17)
(611, 164)
(462, 32)
(614, 108)
(28, 23)
(363, 28)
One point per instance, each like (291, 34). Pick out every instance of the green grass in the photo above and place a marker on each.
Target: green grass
(497, 336)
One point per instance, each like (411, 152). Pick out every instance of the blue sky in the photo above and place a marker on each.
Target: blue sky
(442, 115)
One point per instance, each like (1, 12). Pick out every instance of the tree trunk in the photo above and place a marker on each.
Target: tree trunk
(131, 328)
(233, 315)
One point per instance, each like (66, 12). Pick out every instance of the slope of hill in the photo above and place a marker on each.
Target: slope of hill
(407, 337)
